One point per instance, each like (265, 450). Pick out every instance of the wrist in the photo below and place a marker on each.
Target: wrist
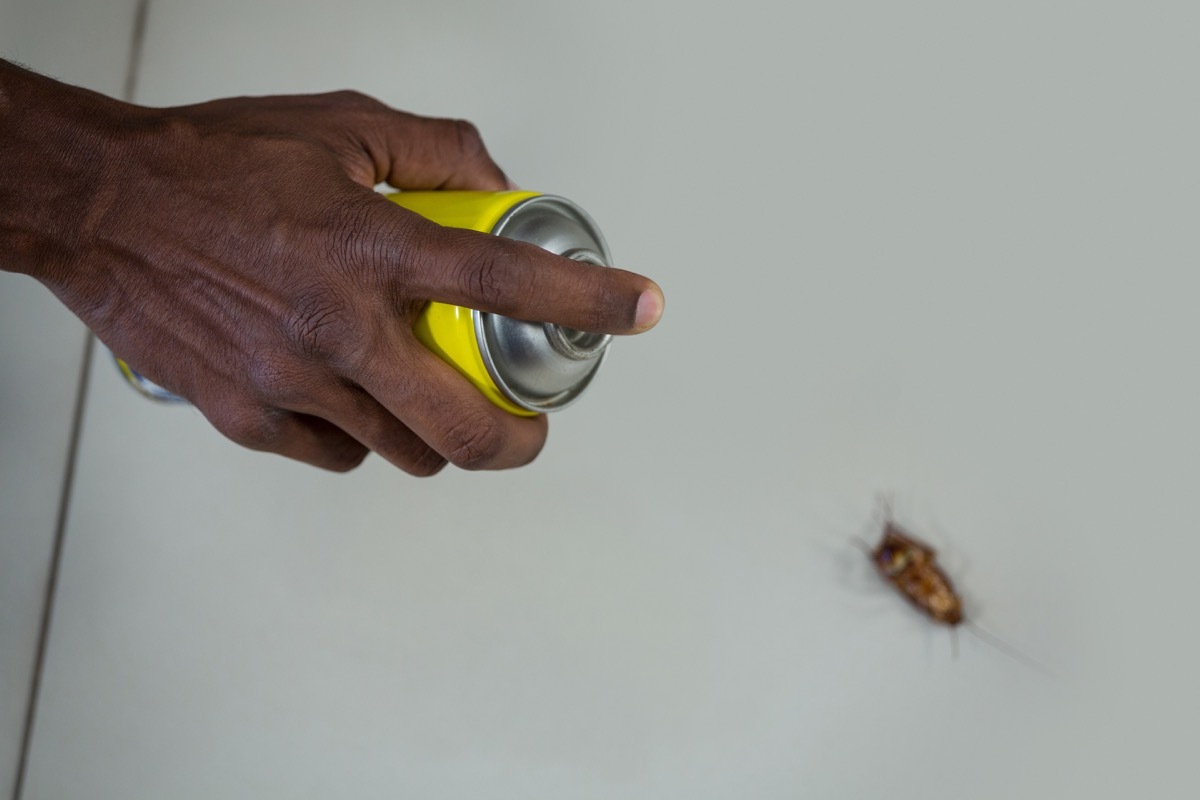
(56, 142)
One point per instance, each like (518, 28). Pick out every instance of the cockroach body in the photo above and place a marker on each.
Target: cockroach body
(911, 566)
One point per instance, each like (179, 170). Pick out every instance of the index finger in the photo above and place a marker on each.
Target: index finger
(504, 276)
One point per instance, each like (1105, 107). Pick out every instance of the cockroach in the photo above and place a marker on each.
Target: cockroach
(910, 565)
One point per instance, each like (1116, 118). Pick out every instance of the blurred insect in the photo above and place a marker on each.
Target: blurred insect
(910, 565)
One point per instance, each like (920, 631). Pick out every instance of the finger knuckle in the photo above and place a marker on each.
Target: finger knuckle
(275, 379)
(401, 447)
(474, 442)
(490, 273)
(426, 464)
(610, 304)
(345, 457)
(316, 326)
(178, 131)
(352, 98)
(467, 138)
(280, 148)
(254, 427)
(482, 278)
(352, 241)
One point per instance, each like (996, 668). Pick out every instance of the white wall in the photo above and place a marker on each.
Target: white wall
(41, 348)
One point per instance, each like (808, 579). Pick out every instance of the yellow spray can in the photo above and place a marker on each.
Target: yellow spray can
(526, 368)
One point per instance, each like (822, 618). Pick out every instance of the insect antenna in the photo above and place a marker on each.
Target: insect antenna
(1008, 650)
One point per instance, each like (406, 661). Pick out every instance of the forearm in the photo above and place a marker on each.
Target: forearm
(56, 145)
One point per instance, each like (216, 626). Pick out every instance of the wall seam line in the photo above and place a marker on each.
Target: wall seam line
(68, 483)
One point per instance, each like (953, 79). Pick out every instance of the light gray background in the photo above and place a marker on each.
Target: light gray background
(942, 250)
(41, 353)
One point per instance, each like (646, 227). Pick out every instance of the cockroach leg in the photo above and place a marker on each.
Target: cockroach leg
(1004, 647)
(863, 545)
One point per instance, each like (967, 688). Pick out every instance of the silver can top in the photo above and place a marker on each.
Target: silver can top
(541, 366)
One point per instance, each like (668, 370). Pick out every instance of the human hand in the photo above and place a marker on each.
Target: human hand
(234, 253)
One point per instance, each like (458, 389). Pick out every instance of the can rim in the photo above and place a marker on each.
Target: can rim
(479, 318)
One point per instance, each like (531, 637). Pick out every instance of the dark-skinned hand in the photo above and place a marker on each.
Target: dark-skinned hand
(235, 253)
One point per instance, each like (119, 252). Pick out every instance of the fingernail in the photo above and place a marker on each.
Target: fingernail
(649, 309)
